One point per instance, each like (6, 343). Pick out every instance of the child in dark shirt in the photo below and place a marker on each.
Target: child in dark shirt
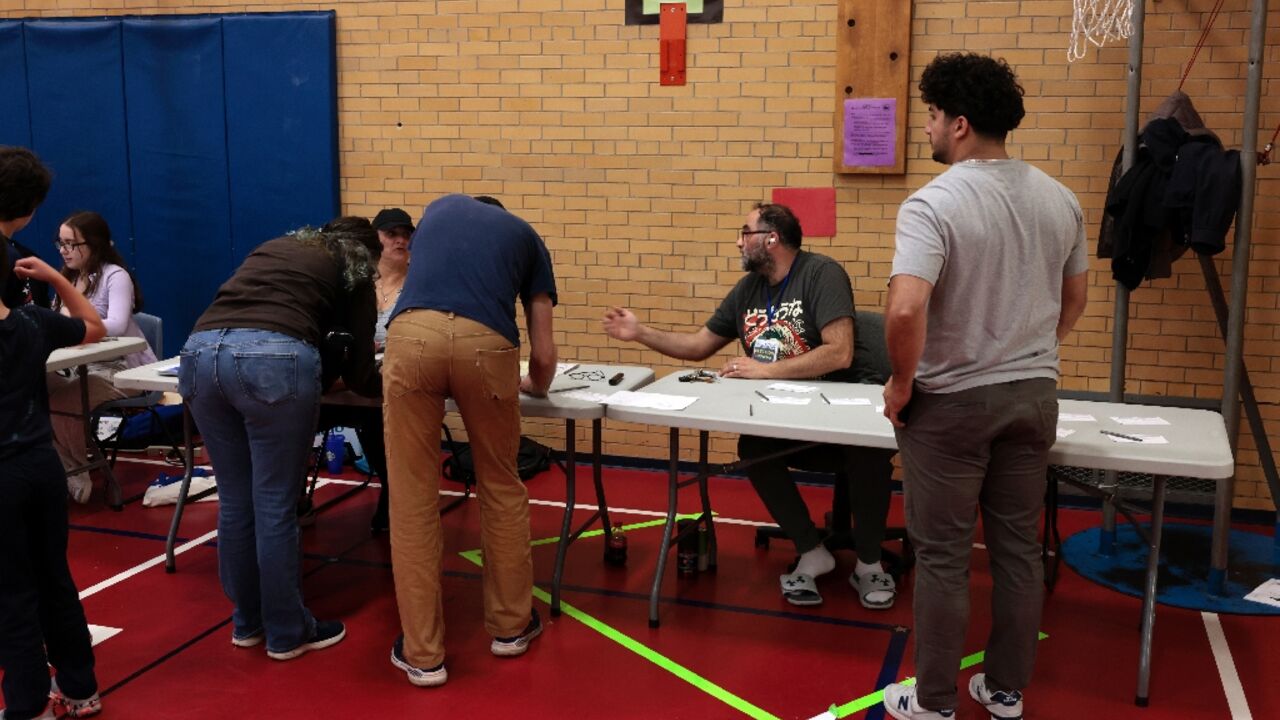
(39, 606)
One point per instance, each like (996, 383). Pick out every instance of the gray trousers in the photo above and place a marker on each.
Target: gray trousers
(985, 449)
(868, 471)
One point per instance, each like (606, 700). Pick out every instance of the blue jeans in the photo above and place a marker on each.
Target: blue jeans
(255, 396)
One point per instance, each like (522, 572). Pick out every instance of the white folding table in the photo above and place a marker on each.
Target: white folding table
(79, 357)
(1197, 447)
(557, 404)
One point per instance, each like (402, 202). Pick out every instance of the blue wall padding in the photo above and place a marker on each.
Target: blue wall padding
(178, 163)
(77, 111)
(15, 119)
(282, 162)
(196, 136)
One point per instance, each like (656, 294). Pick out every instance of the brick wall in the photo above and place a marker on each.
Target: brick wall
(554, 106)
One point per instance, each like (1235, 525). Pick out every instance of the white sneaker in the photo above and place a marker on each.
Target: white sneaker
(1000, 704)
(900, 702)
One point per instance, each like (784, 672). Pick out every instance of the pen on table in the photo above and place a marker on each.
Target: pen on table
(616, 379)
(571, 387)
(751, 409)
(824, 398)
(766, 397)
(1134, 438)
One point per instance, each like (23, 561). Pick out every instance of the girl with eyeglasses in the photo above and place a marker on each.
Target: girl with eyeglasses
(91, 263)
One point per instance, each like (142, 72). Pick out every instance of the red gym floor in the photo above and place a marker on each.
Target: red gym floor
(728, 645)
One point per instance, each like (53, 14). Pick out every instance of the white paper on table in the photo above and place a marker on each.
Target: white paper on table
(1065, 432)
(654, 401)
(587, 395)
(1076, 417)
(849, 401)
(783, 400)
(169, 371)
(880, 409)
(792, 387)
(1268, 593)
(1140, 420)
(1145, 439)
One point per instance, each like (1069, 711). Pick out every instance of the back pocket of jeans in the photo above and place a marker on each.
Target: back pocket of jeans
(500, 371)
(269, 378)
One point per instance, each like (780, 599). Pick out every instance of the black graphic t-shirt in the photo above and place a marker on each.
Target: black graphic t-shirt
(816, 292)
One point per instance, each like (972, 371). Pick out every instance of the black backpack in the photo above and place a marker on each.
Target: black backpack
(533, 458)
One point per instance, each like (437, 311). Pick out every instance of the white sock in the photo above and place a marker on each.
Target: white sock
(876, 596)
(818, 561)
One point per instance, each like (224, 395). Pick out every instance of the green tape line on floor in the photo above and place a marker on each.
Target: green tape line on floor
(644, 651)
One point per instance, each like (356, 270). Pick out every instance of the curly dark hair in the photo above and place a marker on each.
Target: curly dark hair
(781, 220)
(981, 88)
(24, 182)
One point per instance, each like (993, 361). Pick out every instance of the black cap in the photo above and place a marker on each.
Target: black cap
(392, 218)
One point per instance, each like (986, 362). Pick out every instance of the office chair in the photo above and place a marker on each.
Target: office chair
(871, 365)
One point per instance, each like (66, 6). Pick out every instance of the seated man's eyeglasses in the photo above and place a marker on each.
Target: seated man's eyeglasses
(745, 232)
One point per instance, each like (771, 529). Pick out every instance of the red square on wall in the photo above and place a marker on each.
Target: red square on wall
(814, 207)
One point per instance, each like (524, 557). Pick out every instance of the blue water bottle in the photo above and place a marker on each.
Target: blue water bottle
(335, 452)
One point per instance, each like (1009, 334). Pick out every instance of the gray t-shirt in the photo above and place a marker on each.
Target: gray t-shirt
(996, 239)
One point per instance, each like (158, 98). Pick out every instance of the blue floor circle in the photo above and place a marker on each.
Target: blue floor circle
(1184, 566)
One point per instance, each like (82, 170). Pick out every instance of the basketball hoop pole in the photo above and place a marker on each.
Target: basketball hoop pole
(1120, 317)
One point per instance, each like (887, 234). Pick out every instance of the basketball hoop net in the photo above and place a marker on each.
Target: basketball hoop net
(1098, 22)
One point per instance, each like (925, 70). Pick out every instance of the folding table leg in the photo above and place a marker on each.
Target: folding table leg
(570, 482)
(708, 517)
(673, 488)
(1149, 592)
(188, 461)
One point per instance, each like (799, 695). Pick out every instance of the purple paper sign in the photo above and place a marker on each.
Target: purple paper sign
(870, 132)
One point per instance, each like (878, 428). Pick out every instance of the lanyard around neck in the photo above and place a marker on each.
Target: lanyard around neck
(782, 290)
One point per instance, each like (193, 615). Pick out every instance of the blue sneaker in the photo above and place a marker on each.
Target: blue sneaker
(327, 633)
(900, 702)
(1001, 704)
(429, 677)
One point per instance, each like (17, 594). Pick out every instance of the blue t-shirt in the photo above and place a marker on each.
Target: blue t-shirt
(475, 259)
(27, 337)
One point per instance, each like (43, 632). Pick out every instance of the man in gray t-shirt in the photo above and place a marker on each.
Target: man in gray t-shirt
(988, 277)
(792, 314)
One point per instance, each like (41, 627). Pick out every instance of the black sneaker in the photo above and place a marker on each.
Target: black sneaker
(513, 646)
(327, 633)
(430, 677)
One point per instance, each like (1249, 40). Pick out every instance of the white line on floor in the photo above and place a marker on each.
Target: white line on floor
(157, 560)
(1231, 686)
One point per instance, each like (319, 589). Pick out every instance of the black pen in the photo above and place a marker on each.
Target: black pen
(1134, 438)
(571, 387)
(766, 397)
(616, 379)
(824, 398)
(751, 410)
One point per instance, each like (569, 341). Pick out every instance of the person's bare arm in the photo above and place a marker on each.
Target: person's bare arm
(1075, 295)
(905, 322)
(622, 324)
(538, 313)
(835, 353)
(76, 304)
